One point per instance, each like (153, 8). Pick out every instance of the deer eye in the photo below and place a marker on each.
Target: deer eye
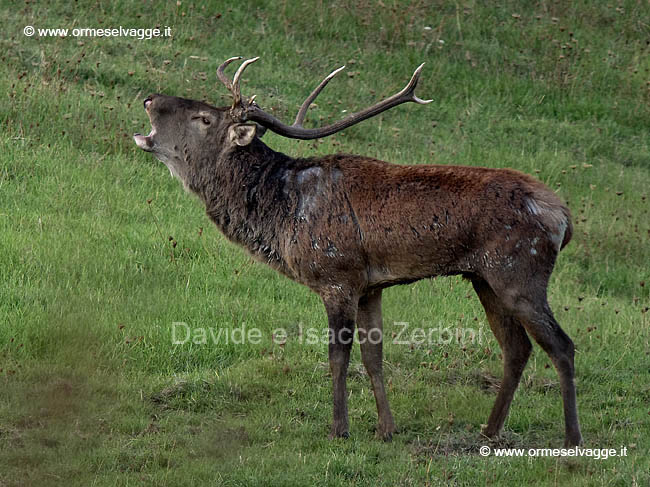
(204, 120)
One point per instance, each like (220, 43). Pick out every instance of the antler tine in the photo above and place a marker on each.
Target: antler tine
(235, 80)
(410, 87)
(305, 106)
(220, 71)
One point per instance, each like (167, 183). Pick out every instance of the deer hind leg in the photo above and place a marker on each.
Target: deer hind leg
(542, 326)
(527, 302)
(515, 347)
(369, 325)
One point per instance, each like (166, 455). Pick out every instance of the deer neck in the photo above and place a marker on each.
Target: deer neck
(245, 200)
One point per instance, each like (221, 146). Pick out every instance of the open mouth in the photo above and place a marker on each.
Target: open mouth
(145, 142)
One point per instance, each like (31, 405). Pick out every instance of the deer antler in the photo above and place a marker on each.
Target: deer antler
(248, 110)
(234, 85)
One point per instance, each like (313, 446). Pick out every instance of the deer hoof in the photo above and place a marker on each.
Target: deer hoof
(339, 431)
(386, 434)
(489, 433)
(573, 440)
(385, 437)
(344, 435)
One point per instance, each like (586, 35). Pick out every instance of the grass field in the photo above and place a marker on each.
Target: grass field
(101, 251)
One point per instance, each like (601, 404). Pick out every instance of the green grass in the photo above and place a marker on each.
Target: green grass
(92, 390)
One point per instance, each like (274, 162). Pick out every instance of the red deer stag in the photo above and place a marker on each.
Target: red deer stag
(349, 226)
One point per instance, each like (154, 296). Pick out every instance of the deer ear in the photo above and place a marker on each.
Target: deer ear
(242, 134)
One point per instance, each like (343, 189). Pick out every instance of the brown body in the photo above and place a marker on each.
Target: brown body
(395, 224)
(348, 226)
